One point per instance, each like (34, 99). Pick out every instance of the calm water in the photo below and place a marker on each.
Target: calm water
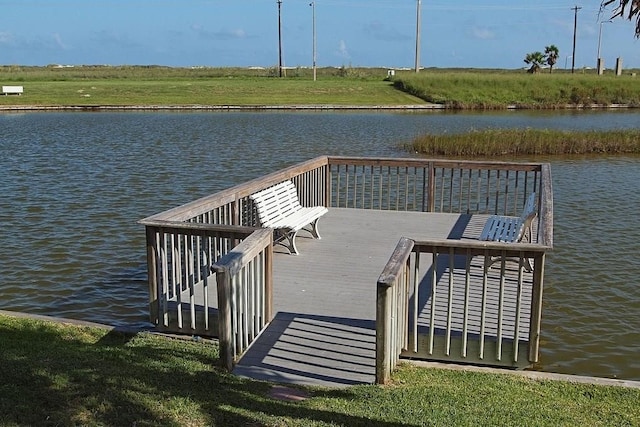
(73, 185)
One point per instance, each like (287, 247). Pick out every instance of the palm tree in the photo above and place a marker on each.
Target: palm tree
(535, 59)
(551, 54)
(629, 7)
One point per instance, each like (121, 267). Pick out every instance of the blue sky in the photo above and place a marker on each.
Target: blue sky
(465, 33)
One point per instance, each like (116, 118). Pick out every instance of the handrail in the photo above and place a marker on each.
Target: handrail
(545, 234)
(390, 316)
(190, 210)
(200, 229)
(420, 162)
(245, 294)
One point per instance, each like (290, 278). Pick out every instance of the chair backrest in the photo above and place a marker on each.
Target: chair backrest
(276, 202)
(529, 212)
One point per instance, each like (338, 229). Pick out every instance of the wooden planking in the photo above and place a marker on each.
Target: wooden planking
(337, 275)
(335, 279)
(322, 293)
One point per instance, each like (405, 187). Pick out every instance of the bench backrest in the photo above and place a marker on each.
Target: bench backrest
(529, 212)
(12, 89)
(276, 202)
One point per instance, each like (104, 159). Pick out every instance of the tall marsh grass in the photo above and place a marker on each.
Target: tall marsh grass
(516, 142)
(500, 90)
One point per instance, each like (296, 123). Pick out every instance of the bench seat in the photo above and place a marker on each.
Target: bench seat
(503, 229)
(278, 207)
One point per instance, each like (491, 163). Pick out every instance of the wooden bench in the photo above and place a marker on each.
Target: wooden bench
(510, 229)
(279, 208)
(12, 90)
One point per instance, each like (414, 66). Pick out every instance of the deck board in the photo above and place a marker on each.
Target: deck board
(323, 332)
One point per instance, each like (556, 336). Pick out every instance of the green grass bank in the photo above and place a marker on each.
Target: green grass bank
(344, 86)
(55, 374)
(166, 86)
(509, 89)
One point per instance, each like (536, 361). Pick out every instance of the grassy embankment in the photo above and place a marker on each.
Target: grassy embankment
(502, 89)
(456, 89)
(67, 375)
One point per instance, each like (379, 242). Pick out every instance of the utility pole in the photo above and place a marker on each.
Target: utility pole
(418, 36)
(280, 38)
(575, 26)
(313, 7)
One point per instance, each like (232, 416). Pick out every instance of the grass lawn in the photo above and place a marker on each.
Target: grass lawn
(455, 89)
(143, 86)
(249, 92)
(60, 375)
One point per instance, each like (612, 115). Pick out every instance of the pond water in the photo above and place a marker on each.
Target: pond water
(73, 185)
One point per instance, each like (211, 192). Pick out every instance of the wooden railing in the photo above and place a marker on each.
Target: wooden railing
(432, 185)
(179, 259)
(473, 310)
(245, 294)
(392, 308)
(454, 321)
(210, 267)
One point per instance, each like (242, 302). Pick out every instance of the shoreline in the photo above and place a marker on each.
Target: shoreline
(295, 107)
(531, 374)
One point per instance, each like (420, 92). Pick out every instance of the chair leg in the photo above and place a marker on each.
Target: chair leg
(291, 237)
(313, 229)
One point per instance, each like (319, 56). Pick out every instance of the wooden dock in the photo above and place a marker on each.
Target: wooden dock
(400, 271)
(323, 331)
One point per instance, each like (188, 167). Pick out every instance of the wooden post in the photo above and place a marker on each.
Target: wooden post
(387, 337)
(536, 307)
(327, 186)
(225, 327)
(431, 188)
(383, 333)
(152, 273)
(268, 281)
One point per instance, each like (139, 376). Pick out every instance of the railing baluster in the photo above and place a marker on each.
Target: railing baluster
(164, 262)
(516, 327)
(434, 283)
(467, 290)
(416, 298)
(450, 301)
(191, 280)
(501, 306)
(483, 309)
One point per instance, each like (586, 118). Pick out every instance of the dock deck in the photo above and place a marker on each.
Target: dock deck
(400, 270)
(323, 331)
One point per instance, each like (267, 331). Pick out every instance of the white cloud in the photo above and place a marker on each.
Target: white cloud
(482, 33)
(342, 50)
(234, 34)
(6, 37)
(58, 40)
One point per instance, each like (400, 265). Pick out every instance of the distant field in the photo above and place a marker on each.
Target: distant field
(148, 86)
(455, 89)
